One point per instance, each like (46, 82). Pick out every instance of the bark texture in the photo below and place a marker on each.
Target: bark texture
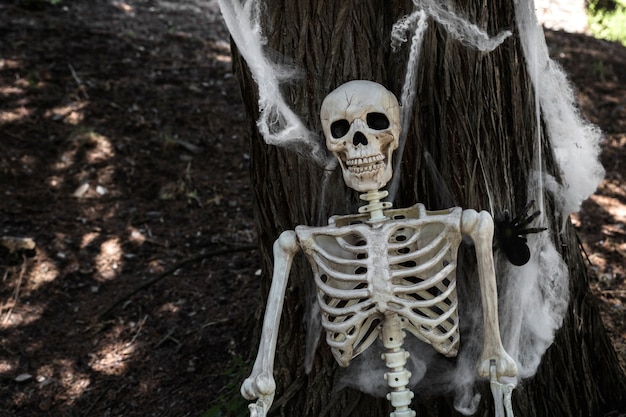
(471, 129)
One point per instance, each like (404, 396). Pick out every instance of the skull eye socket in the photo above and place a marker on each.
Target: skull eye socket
(377, 121)
(339, 128)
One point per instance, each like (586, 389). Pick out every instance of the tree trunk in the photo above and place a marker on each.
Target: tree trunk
(474, 115)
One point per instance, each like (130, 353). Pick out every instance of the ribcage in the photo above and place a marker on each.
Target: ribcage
(423, 263)
(339, 260)
(404, 265)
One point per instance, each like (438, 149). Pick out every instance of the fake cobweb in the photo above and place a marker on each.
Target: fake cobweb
(533, 298)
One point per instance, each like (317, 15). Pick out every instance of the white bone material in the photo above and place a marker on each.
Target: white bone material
(385, 270)
(395, 358)
(479, 227)
(260, 384)
(361, 123)
(501, 394)
(404, 265)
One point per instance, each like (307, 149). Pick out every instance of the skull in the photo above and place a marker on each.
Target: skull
(361, 122)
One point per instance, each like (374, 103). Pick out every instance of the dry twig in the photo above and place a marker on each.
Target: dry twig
(170, 271)
(16, 293)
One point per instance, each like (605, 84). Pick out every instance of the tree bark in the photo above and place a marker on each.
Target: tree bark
(474, 115)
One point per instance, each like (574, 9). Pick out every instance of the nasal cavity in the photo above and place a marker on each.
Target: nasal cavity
(359, 139)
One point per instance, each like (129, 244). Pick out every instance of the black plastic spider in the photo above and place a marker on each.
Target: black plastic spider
(510, 234)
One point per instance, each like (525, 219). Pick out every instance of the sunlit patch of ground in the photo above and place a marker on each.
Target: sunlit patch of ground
(149, 103)
(602, 228)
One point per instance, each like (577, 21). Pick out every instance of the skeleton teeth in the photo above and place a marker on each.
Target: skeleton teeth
(363, 169)
(368, 160)
(368, 164)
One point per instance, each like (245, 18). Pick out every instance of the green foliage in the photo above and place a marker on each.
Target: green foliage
(33, 80)
(598, 71)
(607, 19)
(229, 402)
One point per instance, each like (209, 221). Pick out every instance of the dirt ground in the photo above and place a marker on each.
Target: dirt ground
(123, 158)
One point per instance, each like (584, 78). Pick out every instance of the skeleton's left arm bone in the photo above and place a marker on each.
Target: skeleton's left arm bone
(260, 384)
(479, 226)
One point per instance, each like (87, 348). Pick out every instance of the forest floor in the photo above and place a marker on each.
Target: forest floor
(123, 157)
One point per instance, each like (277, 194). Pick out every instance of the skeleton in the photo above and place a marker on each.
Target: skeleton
(384, 271)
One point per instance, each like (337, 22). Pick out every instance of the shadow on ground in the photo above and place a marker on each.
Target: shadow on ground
(123, 156)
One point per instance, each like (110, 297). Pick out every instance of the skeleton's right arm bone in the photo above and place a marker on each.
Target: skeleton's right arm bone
(260, 384)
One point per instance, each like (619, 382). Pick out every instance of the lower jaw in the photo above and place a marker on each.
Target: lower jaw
(370, 173)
